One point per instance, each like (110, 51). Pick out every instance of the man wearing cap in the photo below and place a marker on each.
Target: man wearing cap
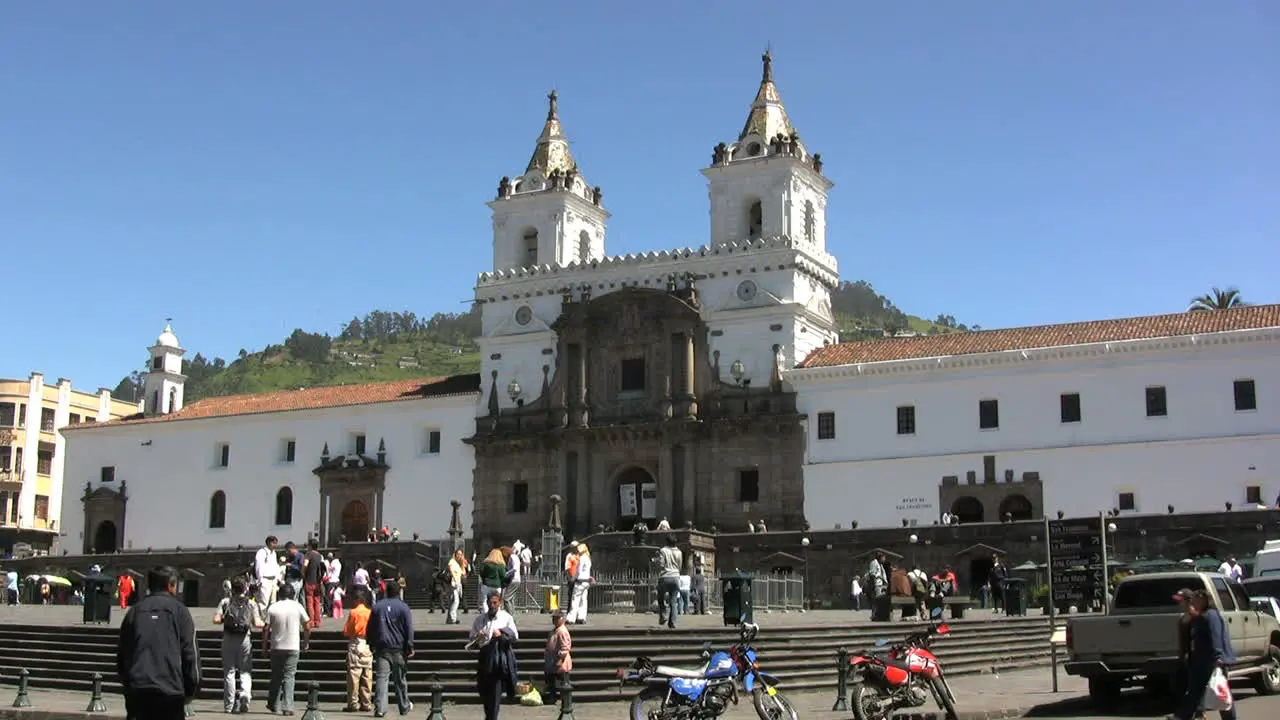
(557, 660)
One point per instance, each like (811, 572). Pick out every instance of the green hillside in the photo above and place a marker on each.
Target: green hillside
(399, 345)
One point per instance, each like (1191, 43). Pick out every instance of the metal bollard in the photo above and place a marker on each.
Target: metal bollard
(566, 698)
(95, 700)
(842, 681)
(313, 702)
(437, 699)
(22, 700)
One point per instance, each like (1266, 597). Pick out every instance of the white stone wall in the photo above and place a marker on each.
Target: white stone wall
(561, 219)
(781, 184)
(172, 471)
(1202, 454)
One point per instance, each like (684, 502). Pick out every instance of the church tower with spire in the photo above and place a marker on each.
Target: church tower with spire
(767, 183)
(163, 383)
(550, 215)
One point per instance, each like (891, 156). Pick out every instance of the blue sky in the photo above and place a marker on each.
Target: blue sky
(248, 167)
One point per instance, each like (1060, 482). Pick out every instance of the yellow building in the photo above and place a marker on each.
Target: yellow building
(31, 452)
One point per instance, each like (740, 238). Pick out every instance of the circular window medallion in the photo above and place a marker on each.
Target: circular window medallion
(746, 291)
(524, 315)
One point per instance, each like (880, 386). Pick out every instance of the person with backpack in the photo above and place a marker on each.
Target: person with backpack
(239, 617)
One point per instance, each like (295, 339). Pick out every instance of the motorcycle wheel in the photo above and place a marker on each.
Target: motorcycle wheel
(865, 702)
(943, 688)
(772, 707)
(649, 704)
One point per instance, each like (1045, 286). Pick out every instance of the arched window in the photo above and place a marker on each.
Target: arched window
(810, 222)
(284, 506)
(530, 247)
(584, 246)
(755, 220)
(218, 510)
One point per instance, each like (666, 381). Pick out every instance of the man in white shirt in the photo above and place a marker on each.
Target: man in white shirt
(670, 563)
(287, 634)
(1232, 570)
(332, 578)
(266, 569)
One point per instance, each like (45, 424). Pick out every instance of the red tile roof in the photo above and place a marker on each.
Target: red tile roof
(308, 399)
(1249, 317)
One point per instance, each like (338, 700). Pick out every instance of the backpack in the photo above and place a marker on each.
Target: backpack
(917, 584)
(238, 619)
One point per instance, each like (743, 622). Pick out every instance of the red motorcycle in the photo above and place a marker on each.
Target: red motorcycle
(903, 676)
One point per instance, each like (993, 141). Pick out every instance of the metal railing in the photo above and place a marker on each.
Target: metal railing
(630, 592)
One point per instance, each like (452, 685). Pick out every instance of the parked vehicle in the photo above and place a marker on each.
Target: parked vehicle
(708, 690)
(905, 675)
(1137, 642)
(1267, 562)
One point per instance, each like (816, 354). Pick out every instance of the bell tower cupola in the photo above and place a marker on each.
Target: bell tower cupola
(162, 385)
(550, 215)
(767, 183)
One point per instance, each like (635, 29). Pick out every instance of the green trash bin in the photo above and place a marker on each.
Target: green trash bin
(735, 598)
(1015, 596)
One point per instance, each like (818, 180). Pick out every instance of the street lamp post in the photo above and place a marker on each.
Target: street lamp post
(804, 544)
(914, 540)
(514, 391)
(739, 373)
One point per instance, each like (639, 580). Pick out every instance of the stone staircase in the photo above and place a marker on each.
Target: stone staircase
(804, 657)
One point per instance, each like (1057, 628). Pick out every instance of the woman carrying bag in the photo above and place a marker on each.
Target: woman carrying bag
(1209, 656)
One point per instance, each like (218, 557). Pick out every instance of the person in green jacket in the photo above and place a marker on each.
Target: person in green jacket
(493, 575)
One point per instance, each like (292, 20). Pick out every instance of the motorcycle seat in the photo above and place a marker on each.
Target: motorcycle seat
(693, 673)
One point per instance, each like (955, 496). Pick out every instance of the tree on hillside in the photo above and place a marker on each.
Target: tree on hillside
(309, 347)
(1217, 300)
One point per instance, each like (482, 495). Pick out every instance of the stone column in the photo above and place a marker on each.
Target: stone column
(577, 361)
(688, 390)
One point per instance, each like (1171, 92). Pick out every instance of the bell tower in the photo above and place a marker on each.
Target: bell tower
(550, 215)
(767, 183)
(162, 385)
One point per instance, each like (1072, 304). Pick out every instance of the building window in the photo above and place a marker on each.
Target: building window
(218, 510)
(44, 459)
(826, 425)
(224, 455)
(907, 420)
(359, 443)
(1253, 495)
(290, 451)
(1126, 502)
(810, 222)
(108, 474)
(42, 507)
(8, 414)
(46, 419)
(22, 415)
(157, 362)
(433, 442)
(284, 506)
(520, 497)
(749, 485)
(632, 371)
(6, 457)
(1157, 402)
(1246, 395)
(755, 220)
(74, 419)
(988, 414)
(1070, 407)
(13, 507)
(530, 247)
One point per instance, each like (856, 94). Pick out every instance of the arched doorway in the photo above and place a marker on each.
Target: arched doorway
(968, 509)
(355, 520)
(1016, 507)
(105, 538)
(637, 495)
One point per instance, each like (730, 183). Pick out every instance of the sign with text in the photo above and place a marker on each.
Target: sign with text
(1075, 560)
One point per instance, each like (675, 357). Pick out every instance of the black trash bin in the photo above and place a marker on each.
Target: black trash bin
(882, 607)
(1015, 596)
(97, 598)
(735, 598)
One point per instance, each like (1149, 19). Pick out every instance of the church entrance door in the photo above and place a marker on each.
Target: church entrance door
(637, 495)
(105, 538)
(355, 520)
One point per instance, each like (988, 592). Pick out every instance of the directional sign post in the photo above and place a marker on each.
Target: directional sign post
(1077, 553)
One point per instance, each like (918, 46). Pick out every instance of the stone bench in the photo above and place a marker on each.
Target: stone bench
(957, 606)
(907, 603)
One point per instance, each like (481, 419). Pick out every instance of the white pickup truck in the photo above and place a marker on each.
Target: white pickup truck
(1137, 643)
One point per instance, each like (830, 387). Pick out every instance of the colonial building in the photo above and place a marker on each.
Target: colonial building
(32, 452)
(1133, 416)
(227, 471)
(648, 386)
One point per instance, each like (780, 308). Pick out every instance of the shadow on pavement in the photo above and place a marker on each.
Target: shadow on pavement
(1133, 704)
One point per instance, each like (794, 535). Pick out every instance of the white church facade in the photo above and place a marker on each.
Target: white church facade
(1132, 415)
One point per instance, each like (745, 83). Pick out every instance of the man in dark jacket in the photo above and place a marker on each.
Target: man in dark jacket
(156, 659)
(1210, 649)
(390, 635)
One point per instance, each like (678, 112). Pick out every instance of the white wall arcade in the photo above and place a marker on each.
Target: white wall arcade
(1200, 455)
(173, 467)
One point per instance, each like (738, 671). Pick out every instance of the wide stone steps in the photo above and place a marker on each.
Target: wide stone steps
(66, 658)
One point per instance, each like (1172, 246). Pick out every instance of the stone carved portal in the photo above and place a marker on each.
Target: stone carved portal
(104, 515)
(351, 489)
(968, 509)
(355, 519)
(637, 496)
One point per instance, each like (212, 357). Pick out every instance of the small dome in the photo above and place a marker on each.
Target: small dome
(167, 338)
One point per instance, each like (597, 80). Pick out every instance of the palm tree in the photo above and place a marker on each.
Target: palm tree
(1218, 300)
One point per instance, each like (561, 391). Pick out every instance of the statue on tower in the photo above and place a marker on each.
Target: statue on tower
(504, 187)
(553, 112)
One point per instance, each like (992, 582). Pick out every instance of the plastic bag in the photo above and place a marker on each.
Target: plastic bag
(533, 698)
(1217, 694)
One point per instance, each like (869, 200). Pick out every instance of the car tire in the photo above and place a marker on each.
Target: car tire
(1268, 681)
(1104, 692)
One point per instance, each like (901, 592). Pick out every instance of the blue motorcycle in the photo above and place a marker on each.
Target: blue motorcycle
(706, 691)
